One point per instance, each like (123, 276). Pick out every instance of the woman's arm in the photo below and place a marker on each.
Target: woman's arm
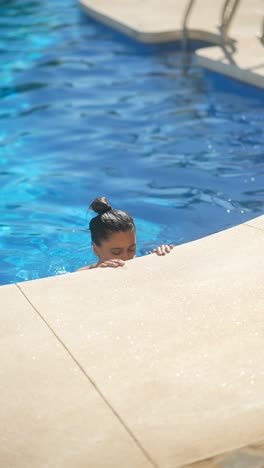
(89, 267)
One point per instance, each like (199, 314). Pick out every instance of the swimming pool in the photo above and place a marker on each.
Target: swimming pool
(86, 112)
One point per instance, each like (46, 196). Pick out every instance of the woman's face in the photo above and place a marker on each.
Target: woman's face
(120, 245)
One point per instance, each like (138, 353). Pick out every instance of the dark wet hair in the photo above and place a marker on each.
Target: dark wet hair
(108, 221)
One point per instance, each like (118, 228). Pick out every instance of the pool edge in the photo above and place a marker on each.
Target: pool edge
(44, 294)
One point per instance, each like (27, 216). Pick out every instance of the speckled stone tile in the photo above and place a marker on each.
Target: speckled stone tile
(174, 343)
(51, 416)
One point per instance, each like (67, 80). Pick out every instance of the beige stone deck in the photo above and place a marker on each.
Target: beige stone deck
(246, 63)
(159, 364)
(153, 21)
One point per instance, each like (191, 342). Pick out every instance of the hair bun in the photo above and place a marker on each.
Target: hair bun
(100, 205)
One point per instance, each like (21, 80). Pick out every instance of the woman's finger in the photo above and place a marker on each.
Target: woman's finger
(114, 263)
(163, 249)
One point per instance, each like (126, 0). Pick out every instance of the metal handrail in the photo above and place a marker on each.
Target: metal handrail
(262, 33)
(184, 36)
(224, 11)
(228, 12)
(187, 13)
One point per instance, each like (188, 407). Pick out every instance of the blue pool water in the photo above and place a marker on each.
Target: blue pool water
(85, 112)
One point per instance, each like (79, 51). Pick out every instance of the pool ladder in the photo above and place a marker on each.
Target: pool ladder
(228, 13)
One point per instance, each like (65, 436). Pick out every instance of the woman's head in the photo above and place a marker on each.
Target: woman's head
(113, 232)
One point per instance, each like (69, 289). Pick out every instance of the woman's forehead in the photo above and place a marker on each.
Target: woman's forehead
(121, 238)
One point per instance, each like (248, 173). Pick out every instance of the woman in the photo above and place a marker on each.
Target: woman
(113, 235)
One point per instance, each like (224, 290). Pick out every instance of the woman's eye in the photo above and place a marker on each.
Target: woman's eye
(132, 250)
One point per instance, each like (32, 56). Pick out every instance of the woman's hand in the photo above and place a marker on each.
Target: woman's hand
(163, 249)
(113, 263)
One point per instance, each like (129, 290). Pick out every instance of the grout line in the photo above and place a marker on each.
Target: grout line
(254, 227)
(122, 422)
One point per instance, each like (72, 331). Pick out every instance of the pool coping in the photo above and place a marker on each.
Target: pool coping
(115, 331)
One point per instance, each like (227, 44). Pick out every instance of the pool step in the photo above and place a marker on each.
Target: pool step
(246, 61)
(243, 64)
